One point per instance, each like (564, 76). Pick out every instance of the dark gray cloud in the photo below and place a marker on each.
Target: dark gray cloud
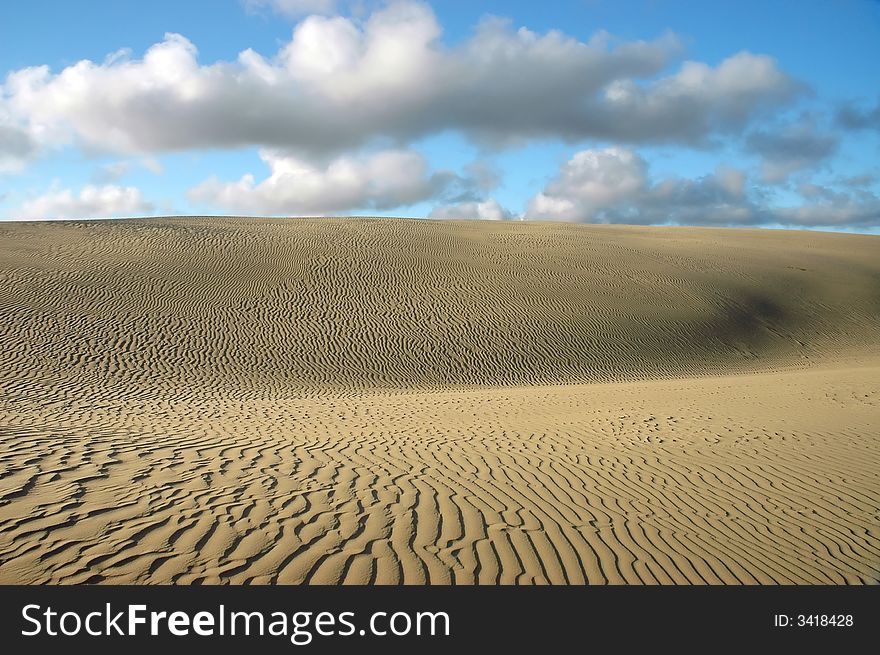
(789, 148)
(859, 181)
(829, 207)
(855, 117)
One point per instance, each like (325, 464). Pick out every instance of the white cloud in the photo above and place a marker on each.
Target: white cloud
(612, 185)
(293, 8)
(297, 186)
(698, 101)
(108, 201)
(589, 180)
(341, 83)
(111, 172)
(153, 165)
(489, 210)
(115, 171)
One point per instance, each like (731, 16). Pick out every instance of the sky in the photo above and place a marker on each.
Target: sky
(654, 112)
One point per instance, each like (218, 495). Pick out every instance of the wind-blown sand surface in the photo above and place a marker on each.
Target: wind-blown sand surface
(365, 400)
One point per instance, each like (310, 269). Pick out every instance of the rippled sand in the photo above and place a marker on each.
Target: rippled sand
(365, 400)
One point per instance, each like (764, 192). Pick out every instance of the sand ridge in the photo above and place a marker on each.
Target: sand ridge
(385, 401)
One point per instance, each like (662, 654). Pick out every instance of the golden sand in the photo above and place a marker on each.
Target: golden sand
(383, 400)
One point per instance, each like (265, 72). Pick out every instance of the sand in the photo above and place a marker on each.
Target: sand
(212, 400)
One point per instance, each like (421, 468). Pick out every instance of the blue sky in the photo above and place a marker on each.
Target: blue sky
(651, 111)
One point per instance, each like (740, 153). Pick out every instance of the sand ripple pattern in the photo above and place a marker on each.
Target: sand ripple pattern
(367, 401)
(726, 480)
(264, 306)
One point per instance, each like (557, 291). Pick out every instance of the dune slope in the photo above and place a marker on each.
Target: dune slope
(374, 401)
(264, 306)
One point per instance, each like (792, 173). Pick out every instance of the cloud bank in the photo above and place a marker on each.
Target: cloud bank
(613, 185)
(341, 83)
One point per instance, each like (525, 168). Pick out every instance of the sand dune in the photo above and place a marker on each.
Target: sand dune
(384, 401)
